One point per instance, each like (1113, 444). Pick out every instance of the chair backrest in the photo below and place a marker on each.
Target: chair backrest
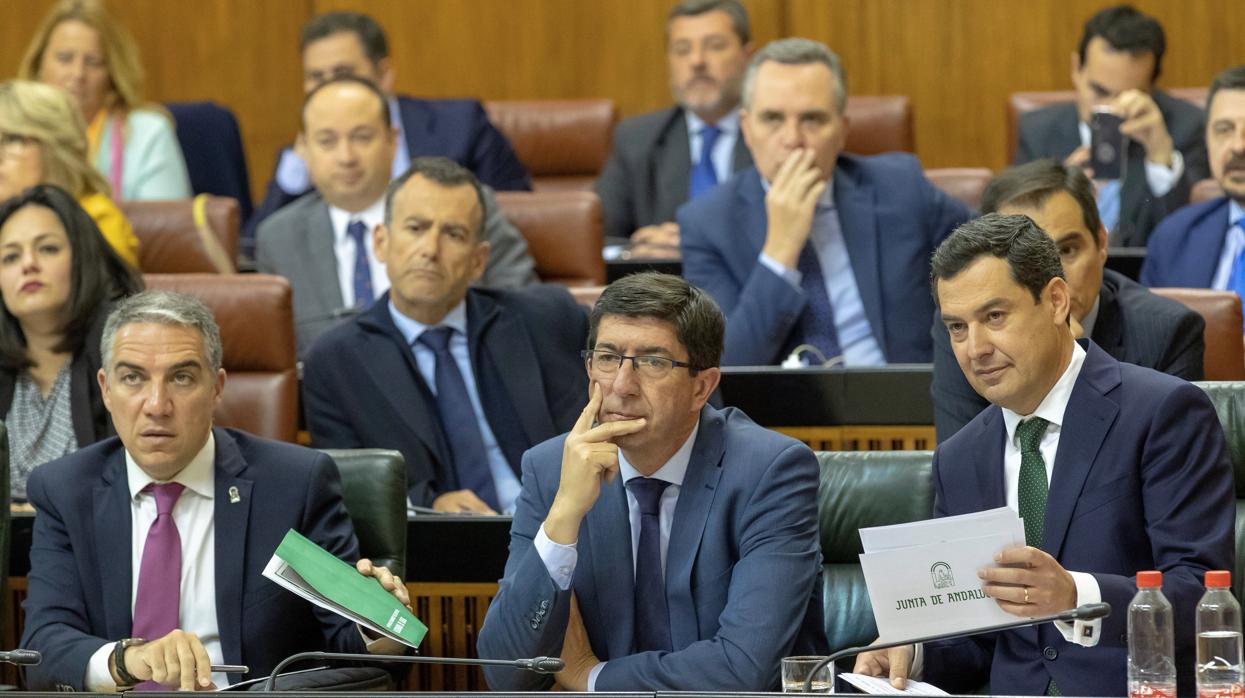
(1205, 190)
(256, 317)
(879, 124)
(374, 490)
(170, 241)
(563, 143)
(587, 295)
(963, 183)
(1228, 397)
(1224, 358)
(564, 233)
(860, 489)
(212, 145)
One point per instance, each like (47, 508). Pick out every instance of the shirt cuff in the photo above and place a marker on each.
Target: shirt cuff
(918, 662)
(560, 560)
(791, 276)
(1160, 178)
(593, 673)
(98, 676)
(1083, 632)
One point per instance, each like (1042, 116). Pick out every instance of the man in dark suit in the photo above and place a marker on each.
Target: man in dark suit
(662, 544)
(1119, 58)
(1113, 468)
(460, 380)
(812, 252)
(352, 43)
(1122, 317)
(149, 548)
(662, 159)
(1203, 245)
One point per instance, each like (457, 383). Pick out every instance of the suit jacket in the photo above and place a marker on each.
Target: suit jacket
(1184, 250)
(1052, 132)
(362, 387)
(742, 570)
(648, 174)
(81, 577)
(298, 244)
(892, 219)
(1141, 481)
(1133, 326)
(458, 129)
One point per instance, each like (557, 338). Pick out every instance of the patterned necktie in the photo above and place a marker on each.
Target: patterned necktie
(363, 295)
(816, 324)
(1236, 280)
(652, 622)
(1031, 488)
(704, 176)
(459, 420)
(158, 599)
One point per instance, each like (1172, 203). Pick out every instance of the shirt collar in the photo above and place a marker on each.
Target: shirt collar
(411, 329)
(1055, 403)
(1087, 325)
(727, 124)
(198, 476)
(1235, 212)
(395, 113)
(674, 469)
(371, 216)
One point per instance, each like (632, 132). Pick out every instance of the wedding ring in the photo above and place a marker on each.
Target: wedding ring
(1026, 595)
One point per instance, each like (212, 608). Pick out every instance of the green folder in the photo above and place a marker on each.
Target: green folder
(317, 575)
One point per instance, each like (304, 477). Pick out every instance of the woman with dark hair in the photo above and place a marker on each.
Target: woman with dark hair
(58, 280)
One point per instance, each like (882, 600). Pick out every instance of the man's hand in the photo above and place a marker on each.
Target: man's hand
(1143, 122)
(656, 241)
(392, 584)
(177, 660)
(588, 457)
(576, 654)
(894, 663)
(789, 205)
(1028, 582)
(460, 501)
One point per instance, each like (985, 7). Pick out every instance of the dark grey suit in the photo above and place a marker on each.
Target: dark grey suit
(297, 243)
(1052, 132)
(647, 176)
(1133, 326)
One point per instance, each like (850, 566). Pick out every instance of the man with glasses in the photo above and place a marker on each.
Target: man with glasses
(660, 544)
(460, 380)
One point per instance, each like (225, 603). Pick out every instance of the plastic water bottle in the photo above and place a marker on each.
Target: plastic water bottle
(1151, 650)
(1219, 640)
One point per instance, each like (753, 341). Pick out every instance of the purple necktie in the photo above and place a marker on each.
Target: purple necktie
(159, 579)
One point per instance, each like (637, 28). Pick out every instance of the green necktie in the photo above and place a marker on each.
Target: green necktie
(1032, 487)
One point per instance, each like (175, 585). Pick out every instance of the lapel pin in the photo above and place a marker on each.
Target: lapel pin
(234, 497)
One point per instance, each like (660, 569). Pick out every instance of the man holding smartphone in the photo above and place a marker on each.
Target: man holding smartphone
(1142, 146)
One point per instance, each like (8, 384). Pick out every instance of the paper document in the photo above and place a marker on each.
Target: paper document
(878, 686)
(317, 575)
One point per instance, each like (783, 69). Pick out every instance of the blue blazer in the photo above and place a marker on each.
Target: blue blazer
(892, 219)
(80, 573)
(1184, 249)
(742, 571)
(363, 389)
(1141, 481)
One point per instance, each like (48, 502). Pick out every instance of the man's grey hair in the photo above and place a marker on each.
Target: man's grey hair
(163, 308)
(733, 9)
(797, 52)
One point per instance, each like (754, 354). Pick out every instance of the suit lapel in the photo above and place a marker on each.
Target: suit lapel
(752, 194)
(993, 490)
(1108, 331)
(113, 523)
(231, 539)
(856, 208)
(609, 543)
(322, 259)
(742, 158)
(502, 338)
(673, 164)
(1205, 244)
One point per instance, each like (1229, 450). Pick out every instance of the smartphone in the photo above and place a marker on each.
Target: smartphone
(1106, 144)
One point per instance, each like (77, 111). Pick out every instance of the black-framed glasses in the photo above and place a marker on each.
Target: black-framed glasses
(608, 362)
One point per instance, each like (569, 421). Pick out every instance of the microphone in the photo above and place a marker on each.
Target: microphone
(21, 657)
(540, 665)
(1089, 611)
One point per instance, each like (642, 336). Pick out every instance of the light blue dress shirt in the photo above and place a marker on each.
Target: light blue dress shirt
(503, 477)
(1233, 243)
(723, 154)
(292, 175)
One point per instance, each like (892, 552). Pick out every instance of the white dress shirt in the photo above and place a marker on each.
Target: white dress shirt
(1233, 243)
(1161, 178)
(344, 249)
(723, 154)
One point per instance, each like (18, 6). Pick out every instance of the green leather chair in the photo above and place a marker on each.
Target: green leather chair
(374, 489)
(860, 489)
(1228, 397)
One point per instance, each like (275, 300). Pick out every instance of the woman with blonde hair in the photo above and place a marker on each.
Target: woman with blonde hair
(82, 50)
(42, 141)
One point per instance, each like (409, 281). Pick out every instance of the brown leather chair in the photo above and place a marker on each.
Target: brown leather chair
(587, 295)
(879, 124)
(1224, 359)
(963, 183)
(256, 317)
(564, 143)
(1205, 190)
(170, 241)
(564, 233)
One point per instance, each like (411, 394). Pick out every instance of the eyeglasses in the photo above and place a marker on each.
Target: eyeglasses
(14, 143)
(607, 363)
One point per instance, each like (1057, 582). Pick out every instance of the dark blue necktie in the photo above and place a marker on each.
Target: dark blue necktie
(816, 325)
(363, 295)
(704, 176)
(458, 419)
(1236, 280)
(652, 622)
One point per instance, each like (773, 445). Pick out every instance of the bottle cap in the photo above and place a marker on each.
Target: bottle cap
(1149, 579)
(1218, 578)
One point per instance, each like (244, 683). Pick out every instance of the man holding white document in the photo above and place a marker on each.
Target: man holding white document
(1113, 468)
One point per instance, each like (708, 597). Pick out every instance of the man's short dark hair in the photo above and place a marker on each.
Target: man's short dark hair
(1030, 185)
(1230, 79)
(370, 35)
(442, 171)
(1126, 29)
(733, 8)
(1030, 253)
(697, 320)
(381, 100)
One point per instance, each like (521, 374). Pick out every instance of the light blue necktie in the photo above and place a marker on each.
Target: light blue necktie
(704, 176)
(1236, 280)
(1109, 205)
